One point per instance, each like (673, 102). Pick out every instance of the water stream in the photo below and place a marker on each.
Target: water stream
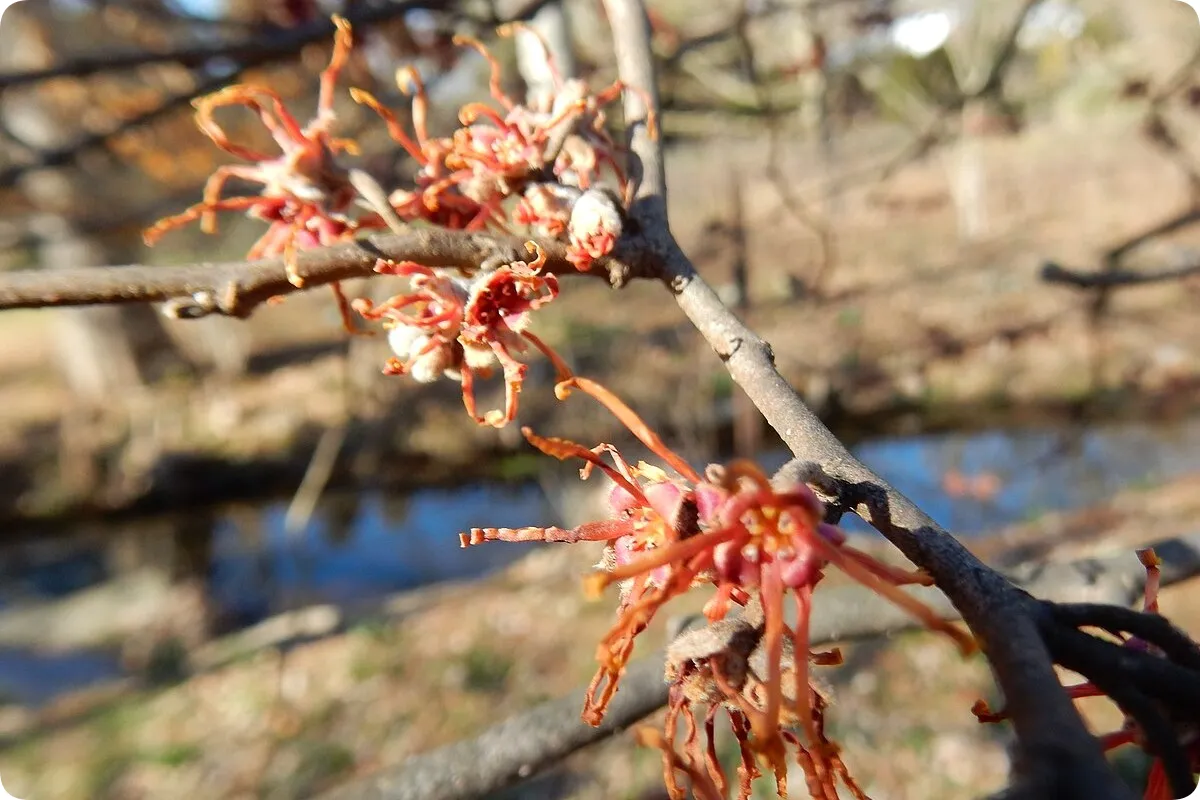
(372, 544)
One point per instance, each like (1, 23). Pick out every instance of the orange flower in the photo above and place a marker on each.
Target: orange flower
(306, 195)
(732, 530)
(462, 328)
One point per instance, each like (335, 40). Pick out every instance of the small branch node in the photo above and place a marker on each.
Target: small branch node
(199, 304)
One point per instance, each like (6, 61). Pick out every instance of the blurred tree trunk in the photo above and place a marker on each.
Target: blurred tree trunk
(106, 355)
(104, 351)
(552, 23)
(810, 48)
(981, 51)
(95, 348)
(969, 183)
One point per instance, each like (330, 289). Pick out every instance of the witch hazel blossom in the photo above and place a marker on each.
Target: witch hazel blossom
(305, 194)
(720, 670)
(754, 544)
(422, 323)
(595, 224)
(436, 196)
(536, 165)
(463, 328)
(549, 153)
(545, 208)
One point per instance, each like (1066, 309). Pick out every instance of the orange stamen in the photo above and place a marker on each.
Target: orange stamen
(630, 420)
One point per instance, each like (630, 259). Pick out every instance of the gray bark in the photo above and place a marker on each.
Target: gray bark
(552, 22)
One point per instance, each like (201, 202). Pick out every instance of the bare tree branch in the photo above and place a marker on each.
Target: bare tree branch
(262, 47)
(938, 129)
(245, 54)
(1151, 628)
(793, 203)
(527, 743)
(1088, 656)
(517, 748)
(723, 32)
(1111, 279)
(935, 132)
(264, 44)
(994, 79)
(1112, 275)
(1178, 222)
(67, 154)
(236, 288)
(1056, 756)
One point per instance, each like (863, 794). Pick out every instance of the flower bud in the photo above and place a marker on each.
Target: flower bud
(800, 567)
(733, 566)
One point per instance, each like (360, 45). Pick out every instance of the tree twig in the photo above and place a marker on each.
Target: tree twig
(1160, 133)
(1183, 220)
(262, 47)
(236, 288)
(246, 55)
(68, 153)
(316, 478)
(1111, 279)
(1152, 628)
(793, 204)
(994, 79)
(937, 130)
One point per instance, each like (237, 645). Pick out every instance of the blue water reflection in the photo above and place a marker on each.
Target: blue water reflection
(1036, 470)
(385, 544)
(360, 546)
(35, 678)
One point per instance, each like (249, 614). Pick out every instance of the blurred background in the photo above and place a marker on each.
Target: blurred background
(228, 554)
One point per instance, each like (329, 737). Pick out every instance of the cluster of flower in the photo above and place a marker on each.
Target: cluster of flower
(462, 327)
(755, 544)
(306, 194)
(532, 166)
(547, 156)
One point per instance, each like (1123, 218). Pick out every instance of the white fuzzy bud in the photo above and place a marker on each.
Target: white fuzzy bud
(596, 211)
(429, 366)
(401, 339)
(478, 356)
(412, 346)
